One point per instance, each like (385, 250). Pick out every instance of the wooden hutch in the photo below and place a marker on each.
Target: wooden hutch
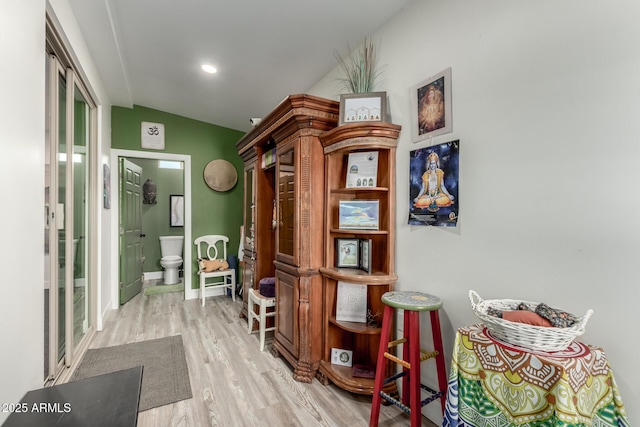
(284, 222)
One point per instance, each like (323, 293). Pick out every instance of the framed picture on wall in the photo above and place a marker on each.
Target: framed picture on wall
(431, 106)
(176, 210)
(433, 185)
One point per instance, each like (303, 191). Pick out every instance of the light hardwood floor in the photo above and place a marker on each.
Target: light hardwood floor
(233, 383)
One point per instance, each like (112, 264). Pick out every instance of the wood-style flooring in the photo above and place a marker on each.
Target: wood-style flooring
(233, 383)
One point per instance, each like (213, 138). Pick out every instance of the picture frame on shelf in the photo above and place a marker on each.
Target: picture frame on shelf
(351, 302)
(362, 170)
(358, 214)
(341, 357)
(365, 255)
(431, 106)
(354, 253)
(362, 107)
(347, 253)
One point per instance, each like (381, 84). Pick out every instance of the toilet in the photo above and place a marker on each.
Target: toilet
(171, 249)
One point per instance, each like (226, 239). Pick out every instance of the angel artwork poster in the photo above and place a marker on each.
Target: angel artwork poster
(433, 185)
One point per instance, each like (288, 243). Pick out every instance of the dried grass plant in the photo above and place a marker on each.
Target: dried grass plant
(360, 67)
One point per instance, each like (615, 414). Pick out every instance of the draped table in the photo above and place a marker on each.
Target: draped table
(495, 384)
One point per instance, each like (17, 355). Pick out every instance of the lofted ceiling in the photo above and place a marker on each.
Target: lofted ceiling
(149, 52)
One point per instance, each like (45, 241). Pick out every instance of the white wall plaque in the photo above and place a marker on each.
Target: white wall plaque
(341, 357)
(351, 304)
(152, 135)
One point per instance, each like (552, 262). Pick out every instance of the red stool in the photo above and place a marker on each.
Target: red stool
(412, 303)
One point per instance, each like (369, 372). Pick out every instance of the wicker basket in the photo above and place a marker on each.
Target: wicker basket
(538, 338)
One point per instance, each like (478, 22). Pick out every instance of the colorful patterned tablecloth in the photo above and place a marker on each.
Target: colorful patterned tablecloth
(494, 384)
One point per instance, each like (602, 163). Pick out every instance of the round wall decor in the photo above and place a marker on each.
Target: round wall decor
(220, 175)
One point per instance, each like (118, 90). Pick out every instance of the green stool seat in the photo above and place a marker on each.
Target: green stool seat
(410, 300)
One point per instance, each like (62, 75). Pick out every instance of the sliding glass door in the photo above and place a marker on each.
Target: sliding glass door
(67, 183)
(81, 135)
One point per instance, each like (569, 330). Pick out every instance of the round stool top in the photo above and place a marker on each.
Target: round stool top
(411, 300)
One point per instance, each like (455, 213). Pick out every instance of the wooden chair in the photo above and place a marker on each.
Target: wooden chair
(214, 246)
(255, 298)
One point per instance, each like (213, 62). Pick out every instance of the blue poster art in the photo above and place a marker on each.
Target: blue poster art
(433, 185)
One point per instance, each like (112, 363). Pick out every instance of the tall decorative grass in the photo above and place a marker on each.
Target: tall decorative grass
(359, 67)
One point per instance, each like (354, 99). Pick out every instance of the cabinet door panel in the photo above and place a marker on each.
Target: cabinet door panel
(287, 311)
(286, 201)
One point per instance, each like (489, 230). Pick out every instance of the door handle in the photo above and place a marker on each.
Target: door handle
(143, 235)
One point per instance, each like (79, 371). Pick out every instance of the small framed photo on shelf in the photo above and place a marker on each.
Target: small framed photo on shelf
(354, 253)
(347, 253)
(363, 107)
(359, 214)
(431, 106)
(341, 357)
(365, 255)
(362, 170)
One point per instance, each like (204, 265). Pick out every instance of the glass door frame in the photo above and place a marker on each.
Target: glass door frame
(61, 64)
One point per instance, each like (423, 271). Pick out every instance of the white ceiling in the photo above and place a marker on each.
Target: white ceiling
(149, 52)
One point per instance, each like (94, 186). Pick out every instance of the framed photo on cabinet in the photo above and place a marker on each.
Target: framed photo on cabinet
(365, 255)
(431, 106)
(347, 253)
(354, 253)
(362, 107)
(362, 169)
(359, 214)
(341, 357)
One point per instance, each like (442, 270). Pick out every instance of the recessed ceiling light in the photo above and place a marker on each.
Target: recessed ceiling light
(209, 68)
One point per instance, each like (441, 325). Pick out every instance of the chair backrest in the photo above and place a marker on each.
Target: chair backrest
(212, 246)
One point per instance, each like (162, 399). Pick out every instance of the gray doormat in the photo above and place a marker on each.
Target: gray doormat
(165, 377)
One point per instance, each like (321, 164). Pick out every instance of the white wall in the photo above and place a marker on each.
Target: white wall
(22, 132)
(22, 187)
(546, 106)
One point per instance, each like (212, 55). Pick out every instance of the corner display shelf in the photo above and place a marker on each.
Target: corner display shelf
(361, 338)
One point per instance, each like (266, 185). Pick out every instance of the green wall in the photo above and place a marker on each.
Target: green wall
(211, 212)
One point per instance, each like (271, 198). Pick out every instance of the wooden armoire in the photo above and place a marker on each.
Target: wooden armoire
(284, 222)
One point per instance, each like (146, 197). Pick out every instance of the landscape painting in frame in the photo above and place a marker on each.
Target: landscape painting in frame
(358, 214)
(433, 185)
(431, 106)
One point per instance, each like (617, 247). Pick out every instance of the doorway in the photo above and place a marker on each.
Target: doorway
(116, 155)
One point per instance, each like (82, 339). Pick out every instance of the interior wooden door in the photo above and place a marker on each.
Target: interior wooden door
(130, 230)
